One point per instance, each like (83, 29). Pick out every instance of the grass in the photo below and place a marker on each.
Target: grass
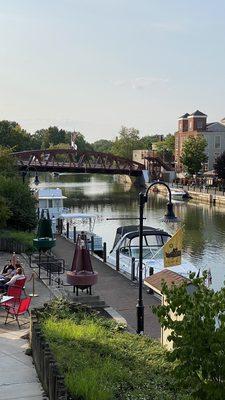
(101, 362)
(26, 238)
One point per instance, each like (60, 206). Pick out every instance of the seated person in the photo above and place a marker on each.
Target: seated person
(17, 276)
(9, 282)
(7, 268)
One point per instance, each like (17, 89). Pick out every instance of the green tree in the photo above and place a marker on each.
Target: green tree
(13, 136)
(127, 142)
(20, 202)
(219, 166)
(145, 143)
(198, 336)
(5, 212)
(166, 147)
(193, 154)
(7, 163)
(103, 146)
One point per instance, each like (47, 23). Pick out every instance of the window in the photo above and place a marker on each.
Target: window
(50, 203)
(217, 142)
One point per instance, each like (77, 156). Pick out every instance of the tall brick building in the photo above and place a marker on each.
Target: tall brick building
(193, 125)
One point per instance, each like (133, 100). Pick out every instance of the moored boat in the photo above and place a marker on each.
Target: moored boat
(179, 194)
(126, 250)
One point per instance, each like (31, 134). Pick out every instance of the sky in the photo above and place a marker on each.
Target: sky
(95, 65)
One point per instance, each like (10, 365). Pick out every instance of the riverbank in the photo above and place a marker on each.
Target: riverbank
(199, 195)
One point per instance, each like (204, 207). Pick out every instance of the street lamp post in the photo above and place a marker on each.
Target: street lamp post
(169, 217)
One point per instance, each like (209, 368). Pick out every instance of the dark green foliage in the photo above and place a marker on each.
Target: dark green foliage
(26, 238)
(20, 201)
(13, 136)
(219, 166)
(198, 337)
(101, 362)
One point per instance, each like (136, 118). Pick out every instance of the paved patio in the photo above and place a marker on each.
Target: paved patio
(18, 378)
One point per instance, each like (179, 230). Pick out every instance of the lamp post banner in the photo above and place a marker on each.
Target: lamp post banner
(172, 250)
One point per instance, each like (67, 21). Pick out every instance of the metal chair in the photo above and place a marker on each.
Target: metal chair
(20, 308)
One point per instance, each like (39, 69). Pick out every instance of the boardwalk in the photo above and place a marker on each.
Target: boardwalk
(117, 291)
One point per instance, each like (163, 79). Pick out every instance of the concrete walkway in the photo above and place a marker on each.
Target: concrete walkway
(116, 290)
(18, 378)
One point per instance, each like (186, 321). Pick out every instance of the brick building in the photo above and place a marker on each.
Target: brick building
(193, 125)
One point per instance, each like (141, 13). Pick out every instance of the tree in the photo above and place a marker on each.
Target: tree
(127, 142)
(193, 154)
(20, 202)
(7, 163)
(103, 146)
(5, 212)
(13, 136)
(145, 142)
(219, 166)
(198, 336)
(166, 147)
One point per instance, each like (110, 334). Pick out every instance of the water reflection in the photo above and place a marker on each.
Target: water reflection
(103, 195)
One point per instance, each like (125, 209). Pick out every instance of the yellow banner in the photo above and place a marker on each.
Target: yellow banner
(172, 250)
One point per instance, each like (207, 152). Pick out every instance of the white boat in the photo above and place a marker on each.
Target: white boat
(51, 199)
(179, 194)
(84, 223)
(126, 247)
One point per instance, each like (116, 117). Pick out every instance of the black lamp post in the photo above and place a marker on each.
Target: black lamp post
(169, 217)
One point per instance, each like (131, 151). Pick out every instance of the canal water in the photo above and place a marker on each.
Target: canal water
(104, 196)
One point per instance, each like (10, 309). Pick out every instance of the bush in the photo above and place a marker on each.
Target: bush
(99, 362)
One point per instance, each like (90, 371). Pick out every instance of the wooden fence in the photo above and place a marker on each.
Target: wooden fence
(46, 367)
(10, 245)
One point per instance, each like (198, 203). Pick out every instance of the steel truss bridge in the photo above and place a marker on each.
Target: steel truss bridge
(70, 160)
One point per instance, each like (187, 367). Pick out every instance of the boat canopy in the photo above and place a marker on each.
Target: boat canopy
(49, 193)
(132, 231)
(77, 215)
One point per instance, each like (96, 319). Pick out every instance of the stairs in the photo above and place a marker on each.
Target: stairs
(86, 299)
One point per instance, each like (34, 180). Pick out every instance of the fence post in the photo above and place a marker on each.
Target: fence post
(104, 251)
(67, 230)
(133, 268)
(74, 234)
(117, 260)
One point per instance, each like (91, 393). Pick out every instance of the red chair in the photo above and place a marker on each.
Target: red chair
(15, 292)
(20, 282)
(19, 309)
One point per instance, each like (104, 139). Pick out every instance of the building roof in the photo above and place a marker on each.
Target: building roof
(171, 278)
(215, 127)
(184, 116)
(198, 113)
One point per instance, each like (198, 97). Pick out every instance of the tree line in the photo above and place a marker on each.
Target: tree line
(13, 136)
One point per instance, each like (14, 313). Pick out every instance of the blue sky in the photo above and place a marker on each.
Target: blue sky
(94, 65)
